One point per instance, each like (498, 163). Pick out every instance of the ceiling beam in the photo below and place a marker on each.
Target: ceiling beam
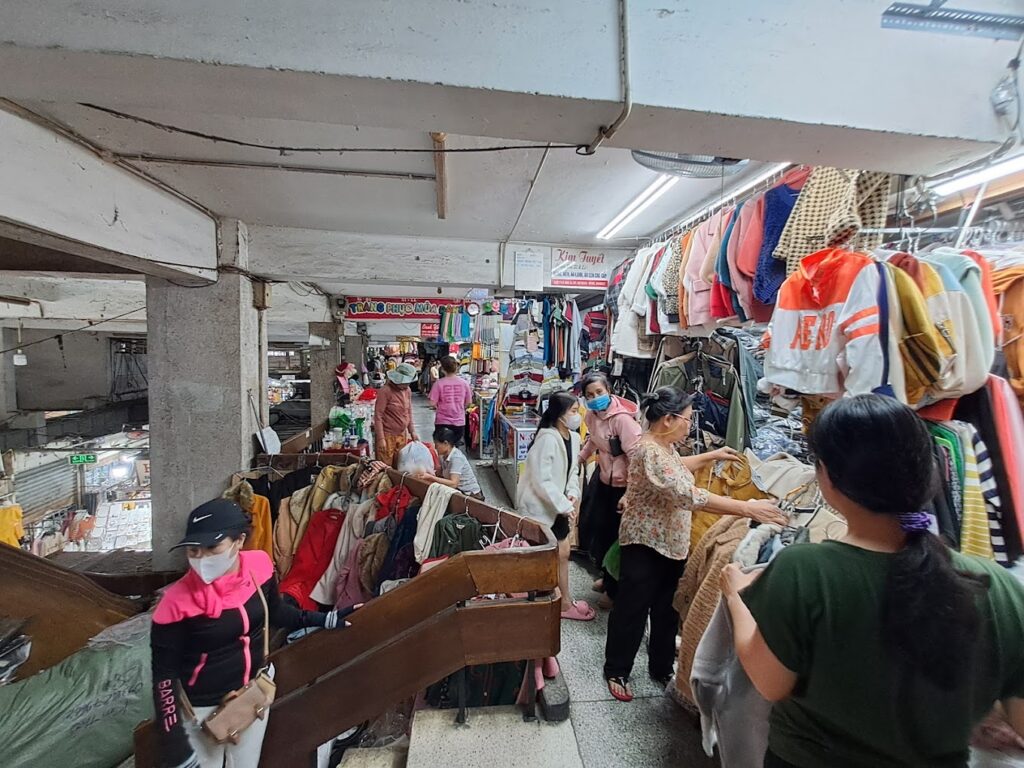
(440, 174)
(65, 195)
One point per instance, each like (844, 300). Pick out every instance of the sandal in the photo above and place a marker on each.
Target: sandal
(598, 586)
(626, 695)
(580, 611)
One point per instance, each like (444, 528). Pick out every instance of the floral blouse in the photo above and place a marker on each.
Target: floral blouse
(659, 501)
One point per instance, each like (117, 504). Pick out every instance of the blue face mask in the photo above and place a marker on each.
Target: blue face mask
(599, 403)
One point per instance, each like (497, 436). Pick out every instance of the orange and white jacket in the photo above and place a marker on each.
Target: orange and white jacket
(824, 336)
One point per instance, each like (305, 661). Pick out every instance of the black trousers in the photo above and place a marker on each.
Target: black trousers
(460, 432)
(647, 584)
(605, 519)
(771, 760)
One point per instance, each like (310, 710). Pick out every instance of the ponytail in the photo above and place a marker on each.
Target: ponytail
(930, 617)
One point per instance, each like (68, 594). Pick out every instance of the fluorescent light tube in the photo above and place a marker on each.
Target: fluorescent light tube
(658, 187)
(973, 179)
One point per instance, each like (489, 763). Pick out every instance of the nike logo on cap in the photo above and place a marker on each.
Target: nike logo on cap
(197, 519)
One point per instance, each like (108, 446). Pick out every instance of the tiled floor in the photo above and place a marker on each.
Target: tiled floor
(651, 731)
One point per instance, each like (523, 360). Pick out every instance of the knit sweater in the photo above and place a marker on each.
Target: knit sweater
(834, 205)
(770, 274)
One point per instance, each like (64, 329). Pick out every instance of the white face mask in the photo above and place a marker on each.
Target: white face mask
(212, 567)
(573, 421)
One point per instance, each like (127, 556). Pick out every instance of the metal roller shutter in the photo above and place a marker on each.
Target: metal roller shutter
(46, 488)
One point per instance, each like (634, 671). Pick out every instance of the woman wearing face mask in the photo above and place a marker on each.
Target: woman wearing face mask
(655, 538)
(550, 485)
(613, 432)
(393, 426)
(207, 637)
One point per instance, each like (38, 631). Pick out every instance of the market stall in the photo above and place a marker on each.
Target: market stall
(767, 306)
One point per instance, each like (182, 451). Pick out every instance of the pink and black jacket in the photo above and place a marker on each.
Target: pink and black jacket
(208, 638)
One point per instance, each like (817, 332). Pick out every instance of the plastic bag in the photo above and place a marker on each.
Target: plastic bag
(414, 459)
(82, 711)
(613, 560)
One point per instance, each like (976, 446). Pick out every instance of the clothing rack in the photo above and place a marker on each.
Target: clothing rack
(705, 213)
(991, 233)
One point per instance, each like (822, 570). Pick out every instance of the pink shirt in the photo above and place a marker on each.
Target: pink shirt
(452, 396)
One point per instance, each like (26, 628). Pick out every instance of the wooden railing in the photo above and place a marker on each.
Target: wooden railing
(411, 637)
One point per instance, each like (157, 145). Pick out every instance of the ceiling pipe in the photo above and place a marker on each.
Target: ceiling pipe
(606, 132)
(291, 168)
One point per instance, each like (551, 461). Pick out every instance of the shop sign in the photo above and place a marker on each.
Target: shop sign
(390, 308)
(530, 269)
(523, 440)
(430, 330)
(83, 458)
(579, 268)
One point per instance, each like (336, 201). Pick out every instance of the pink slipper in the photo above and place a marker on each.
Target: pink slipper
(580, 611)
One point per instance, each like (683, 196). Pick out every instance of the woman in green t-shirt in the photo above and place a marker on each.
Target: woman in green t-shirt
(885, 648)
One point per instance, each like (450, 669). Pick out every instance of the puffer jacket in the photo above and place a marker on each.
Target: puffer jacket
(619, 420)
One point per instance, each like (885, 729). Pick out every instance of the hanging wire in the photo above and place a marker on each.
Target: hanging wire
(285, 149)
(88, 327)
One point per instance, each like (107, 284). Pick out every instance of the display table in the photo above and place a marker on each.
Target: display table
(512, 439)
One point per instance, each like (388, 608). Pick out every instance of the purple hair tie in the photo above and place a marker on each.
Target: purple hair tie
(912, 522)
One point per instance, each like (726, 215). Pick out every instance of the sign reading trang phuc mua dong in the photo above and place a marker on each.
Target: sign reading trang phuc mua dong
(579, 268)
(391, 308)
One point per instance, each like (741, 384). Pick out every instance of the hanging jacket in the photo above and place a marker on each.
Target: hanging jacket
(988, 291)
(434, 507)
(733, 715)
(312, 557)
(699, 591)
(681, 288)
(670, 277)
(770, 272)
(968, 273)
(973, 362)
(824, 335)
(718, 237)
(1009, 287)
(619, 420)
(744, 248)
(926, 353)
(698, 290)
(834, 205)
(626, 332)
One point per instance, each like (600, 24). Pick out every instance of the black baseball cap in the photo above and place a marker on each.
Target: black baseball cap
(209, 523)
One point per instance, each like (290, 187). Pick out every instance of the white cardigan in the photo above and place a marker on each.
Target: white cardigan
(543, 490)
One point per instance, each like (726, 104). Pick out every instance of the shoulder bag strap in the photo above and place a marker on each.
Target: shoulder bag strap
(266, 622)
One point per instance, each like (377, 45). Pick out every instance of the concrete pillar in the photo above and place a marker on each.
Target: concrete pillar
(322, 362)
(8, 392)
(205, 350)
(355, 352)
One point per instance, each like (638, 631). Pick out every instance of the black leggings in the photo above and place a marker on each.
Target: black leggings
(647, 584)
(771, 760)
(603, 522)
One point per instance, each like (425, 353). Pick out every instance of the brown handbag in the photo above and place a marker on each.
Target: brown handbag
(243, 707)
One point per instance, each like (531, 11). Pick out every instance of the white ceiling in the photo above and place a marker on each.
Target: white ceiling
(573, 199)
